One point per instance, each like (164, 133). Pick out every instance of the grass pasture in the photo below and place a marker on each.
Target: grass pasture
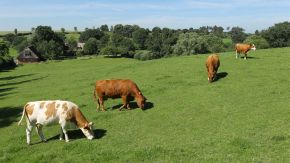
(242, 117)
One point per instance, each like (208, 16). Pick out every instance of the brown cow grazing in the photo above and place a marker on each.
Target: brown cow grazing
(244, 48)
(212, 65)
(118, 88)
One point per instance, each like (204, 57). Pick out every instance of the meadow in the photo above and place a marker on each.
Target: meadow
(242, 117)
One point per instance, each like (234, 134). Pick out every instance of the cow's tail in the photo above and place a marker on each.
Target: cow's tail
(23, 114)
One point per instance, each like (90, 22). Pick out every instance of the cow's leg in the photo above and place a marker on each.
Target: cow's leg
(39, 132)
(245, 58)
(128, 106)
(237, 54)
(28, 133)
(98, 107)
(101, 101)
(124, 100)
(65, 133)
(61, 134)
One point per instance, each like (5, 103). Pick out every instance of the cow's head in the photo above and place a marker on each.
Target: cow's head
(253, 47)
(211, 76)
(140, 99)
(88, 130)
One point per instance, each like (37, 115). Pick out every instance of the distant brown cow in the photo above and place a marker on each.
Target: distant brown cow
(244, 48)
(118, 88)
(212, 65)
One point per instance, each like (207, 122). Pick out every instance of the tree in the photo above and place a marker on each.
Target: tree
(125, 45)
(72, 43)
(218, 31)
(104, 28)
(62, 30)
(237, 35)
(91, 46)
(15, 31)
(76, 29)
(49, 44)
(139, 37)
(278, 35)
(259, 41)
(4, 49)
(91, 33)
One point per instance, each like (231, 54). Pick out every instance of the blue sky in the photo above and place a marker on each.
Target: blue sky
(248, 14)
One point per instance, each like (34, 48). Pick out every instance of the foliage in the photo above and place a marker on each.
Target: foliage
(110, 51)
(104, 28)
(49, 44)
(192, 43)
(91, 33)
(143, 55)
(72, 43)
(124, 45)
(91, 46)
(4, 49)
(237, 34)
(139, 37)
(6, 61)
(278, 35)
(259, 41)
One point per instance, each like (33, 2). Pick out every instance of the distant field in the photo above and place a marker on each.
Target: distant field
(242, 117)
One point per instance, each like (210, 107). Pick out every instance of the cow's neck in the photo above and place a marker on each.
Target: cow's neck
(80, 120)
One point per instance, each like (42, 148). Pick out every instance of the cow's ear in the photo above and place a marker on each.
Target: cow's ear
(140, 93)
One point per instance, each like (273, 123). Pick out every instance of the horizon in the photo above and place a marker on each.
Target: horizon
(250, 15)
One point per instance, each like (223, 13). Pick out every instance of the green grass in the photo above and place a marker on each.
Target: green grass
(243, 117)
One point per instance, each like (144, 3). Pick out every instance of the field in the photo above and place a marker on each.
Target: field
(242, 117)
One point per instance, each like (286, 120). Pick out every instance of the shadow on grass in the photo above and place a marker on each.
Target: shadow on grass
(8, 115)
(78, 134)
(15, 77)
(220, 75)
(21, 82)
(250, 57)
(133, 105)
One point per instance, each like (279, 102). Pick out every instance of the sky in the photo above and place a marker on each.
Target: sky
(177, 14)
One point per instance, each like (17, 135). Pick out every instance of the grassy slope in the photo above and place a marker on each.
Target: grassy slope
(242, 117)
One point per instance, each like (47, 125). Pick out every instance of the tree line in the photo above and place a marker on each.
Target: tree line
(136, 42)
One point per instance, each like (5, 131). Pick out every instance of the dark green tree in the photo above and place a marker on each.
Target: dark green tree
(278, 35)
(91, 46)
(237, 34)
(104, 28)
(139, 37)
(91, 33)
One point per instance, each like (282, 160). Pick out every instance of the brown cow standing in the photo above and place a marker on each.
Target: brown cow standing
(118, 88)
(212, 65)
(243, 48)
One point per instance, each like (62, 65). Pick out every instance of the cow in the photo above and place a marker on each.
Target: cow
(212, 64)
(243, 48)
(118, 88)
(66, 113)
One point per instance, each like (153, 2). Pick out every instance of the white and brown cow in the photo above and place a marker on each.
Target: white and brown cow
(243, 48)
(65, 113)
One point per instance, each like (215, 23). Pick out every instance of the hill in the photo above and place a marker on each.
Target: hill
(242, 117)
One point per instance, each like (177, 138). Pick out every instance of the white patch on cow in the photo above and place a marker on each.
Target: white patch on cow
(254, 48)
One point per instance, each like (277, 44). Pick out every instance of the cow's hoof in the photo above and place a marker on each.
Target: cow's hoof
(67, 141)
(60, 139)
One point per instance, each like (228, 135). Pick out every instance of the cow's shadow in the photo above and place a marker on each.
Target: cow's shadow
(250, 57)
(221, 75)
(133, 105)
(78, 134)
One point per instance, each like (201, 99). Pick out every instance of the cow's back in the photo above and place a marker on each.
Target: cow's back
(242, 47)
(48, 112)
(114, 88)
(213, 61)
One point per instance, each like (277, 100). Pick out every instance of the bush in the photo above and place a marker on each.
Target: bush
(278, 35)
(6, 61)
(109, 50)
(91, 46)
(143, 55)
(259, 41)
